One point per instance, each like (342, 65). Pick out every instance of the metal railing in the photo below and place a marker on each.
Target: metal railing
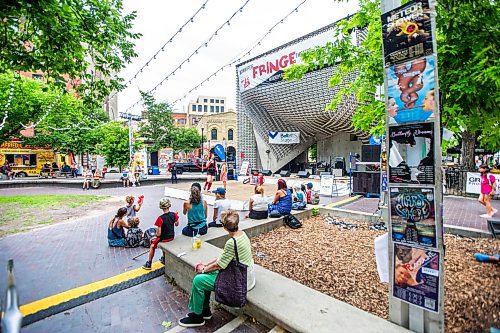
(12, 317)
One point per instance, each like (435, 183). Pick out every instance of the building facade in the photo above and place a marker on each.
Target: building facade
(219, 129)
(205, 105)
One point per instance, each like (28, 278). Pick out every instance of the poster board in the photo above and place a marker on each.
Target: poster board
(473, 184)
(244, 168)
(326, 185)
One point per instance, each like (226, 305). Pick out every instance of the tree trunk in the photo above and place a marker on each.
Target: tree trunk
(468, 146)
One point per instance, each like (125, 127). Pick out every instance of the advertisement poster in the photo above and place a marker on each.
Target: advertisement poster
(411, 154)
(416, 276)
(164, 157)
(284, 138)
(410, 87)
(406, 32)
(413, 217)
(473, 184)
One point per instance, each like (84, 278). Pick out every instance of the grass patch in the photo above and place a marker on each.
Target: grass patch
(43, 201)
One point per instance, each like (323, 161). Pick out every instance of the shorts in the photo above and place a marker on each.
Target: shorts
(258, 214)
(117, 242)
(155, 241)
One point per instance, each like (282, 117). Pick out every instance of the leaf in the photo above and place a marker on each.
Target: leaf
(166, 324)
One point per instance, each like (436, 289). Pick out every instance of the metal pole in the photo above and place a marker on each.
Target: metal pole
(130, 144)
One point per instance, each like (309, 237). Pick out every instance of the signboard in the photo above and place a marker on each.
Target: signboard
(284, 138)
(410, 88)
(413, 216)
(473, 184)
(326, 185)
(141, 158)
(411, 154)
(416, 276)
(269, 68)
(164, 157)
(406, 32)
(244, 168)
(219, 150)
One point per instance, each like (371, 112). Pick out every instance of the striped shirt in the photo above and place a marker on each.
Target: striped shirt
(244, 254)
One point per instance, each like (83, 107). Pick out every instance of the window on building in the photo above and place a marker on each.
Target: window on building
(230, 135)
(221, 109)
(216, 101)
(222, 101)
(36, 76)
(199, 108)
(211, 108)
(217, 108)
(213, 134)
(21, 159)
(181, 121)
(193, 107)
(205, 100)
(205, 108)
(211, 100)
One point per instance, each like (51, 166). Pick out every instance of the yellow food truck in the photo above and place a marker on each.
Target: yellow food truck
(26, 160)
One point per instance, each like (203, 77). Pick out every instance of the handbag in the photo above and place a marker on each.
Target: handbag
(231, 283)
(292, 222)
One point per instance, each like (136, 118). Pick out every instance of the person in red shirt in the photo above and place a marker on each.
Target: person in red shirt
(165, 230)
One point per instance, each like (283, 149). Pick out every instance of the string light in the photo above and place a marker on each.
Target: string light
(240, 55)
(204, 44)
(46, 112)
(7, 104)
(162, 48)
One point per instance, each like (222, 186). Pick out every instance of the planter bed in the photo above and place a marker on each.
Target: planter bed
(341, 263)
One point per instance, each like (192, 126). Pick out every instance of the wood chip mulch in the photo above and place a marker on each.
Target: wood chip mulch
(341, 263)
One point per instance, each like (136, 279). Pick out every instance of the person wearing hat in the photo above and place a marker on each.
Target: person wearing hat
(488, 189)
(221, 204)
(165, 230)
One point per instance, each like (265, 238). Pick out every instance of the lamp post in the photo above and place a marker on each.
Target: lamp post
(129, 118)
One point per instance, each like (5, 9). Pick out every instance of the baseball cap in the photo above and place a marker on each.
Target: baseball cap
(219, 190)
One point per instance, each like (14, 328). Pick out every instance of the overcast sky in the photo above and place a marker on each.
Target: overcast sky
(158, 20)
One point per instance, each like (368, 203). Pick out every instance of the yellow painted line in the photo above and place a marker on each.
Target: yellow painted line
(343, 202)
(68, 295)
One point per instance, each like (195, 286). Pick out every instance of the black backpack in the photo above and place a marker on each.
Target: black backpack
(292, 221)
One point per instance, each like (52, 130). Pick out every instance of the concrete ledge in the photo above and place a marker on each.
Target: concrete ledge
(348, 214)
(275, 298)
(466, 232)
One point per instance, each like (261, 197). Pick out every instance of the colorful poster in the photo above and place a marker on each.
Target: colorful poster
(406, 32)
(410, 87)
(164, 157)
(413, 218)
(411, 154)
(416, 276)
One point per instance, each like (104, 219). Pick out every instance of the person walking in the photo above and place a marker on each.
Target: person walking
(211, 172)
(488, 188)
(223, 174)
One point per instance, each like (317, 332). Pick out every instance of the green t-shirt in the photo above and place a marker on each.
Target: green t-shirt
(244, 251)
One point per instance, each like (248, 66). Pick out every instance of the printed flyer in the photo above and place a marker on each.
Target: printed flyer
(411, 154)
(406, 32)
(413, 218)
(416, 276)
(410, 87)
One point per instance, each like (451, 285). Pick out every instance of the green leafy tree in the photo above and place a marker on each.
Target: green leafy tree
(86, 40)
(114, 144)
(468, 69)
(185, 139)
(158, 127)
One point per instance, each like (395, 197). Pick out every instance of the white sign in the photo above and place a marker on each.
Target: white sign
(326, 185)
(473, 184)
(284, 138)
(244, 168)
(269, 68)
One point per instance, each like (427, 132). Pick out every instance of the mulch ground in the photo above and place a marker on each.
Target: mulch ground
(341, 263)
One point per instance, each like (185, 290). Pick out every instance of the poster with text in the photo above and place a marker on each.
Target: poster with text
(406, 32)
(411, 154)
(416, 276)
(413, 218)
(410, 87)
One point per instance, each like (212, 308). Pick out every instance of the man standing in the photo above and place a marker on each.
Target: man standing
(173, 170)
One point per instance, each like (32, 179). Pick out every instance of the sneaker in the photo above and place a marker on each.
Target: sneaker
(162, 260)
(192, 320)
(147, 265)
(486, 216)
(206, 314)
(214, 225)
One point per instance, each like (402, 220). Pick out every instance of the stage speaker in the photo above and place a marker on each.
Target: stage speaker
(285, 173)
(370, 153)
(267, 172)
(303, 174)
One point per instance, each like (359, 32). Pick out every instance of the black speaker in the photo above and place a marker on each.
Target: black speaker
(285, 173)
(303, 174)
(267, 172)
(370, 153)
(366, 182)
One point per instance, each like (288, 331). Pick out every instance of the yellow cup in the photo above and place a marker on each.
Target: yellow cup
(198, 243)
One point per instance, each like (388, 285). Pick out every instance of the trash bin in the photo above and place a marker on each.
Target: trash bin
(155, 170)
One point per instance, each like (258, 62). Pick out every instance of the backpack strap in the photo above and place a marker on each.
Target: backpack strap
(236, 250)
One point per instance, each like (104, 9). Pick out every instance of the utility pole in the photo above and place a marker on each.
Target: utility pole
(130, 117)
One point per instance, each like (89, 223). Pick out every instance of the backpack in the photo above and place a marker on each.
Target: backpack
(291, 221)
(149, 235)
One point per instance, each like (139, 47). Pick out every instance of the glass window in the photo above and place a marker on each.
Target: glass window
(205, 108)
(37, 76)
(222, 101)
(21, 159)
(216, 101)
(193, 107)
(217, 108)
(211, 108)
(182, 121)
(213, 134)
(199, 108)
(230, 135)
(222, 109)
(211, 100)
(205, 100)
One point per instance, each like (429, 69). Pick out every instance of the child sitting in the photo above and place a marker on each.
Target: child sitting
(134, 233)
(309, 193)
(298, 197)
(165, 231)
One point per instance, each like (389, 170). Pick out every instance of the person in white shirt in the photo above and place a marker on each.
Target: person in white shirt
(258, 204)
(221, 204)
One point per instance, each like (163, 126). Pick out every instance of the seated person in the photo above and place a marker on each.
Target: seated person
(45, 169)
(134, 233)
(258, 204)
(87, 179)
(54, 168)
(196, 210)
(298, 197)
(116, 232)
(282, 203)
(65, 168)
(124, 178)
(308, 192)
(6, 170)
(221, 204)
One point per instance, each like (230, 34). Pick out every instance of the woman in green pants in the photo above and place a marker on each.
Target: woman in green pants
(204, 281)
